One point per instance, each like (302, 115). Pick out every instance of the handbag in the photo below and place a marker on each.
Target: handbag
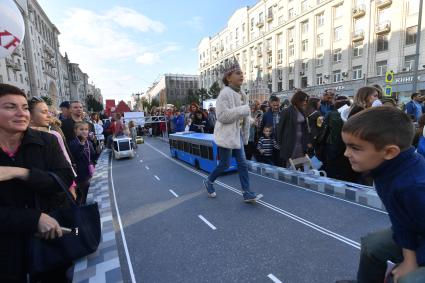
(46, 255)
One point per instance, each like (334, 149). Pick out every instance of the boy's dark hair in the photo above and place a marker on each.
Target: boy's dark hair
(414, 95)
(267, 126)
(381, 126)
(6, 89)
(274, 98)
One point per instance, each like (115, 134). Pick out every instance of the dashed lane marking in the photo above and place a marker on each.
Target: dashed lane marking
(274, 278)
(156, 177)
(176, 195)
(207, 222)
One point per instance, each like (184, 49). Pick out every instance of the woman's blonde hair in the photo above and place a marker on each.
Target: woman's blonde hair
(362, 95)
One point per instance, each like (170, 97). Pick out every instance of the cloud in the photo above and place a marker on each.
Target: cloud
(109, 45)
(195, 23)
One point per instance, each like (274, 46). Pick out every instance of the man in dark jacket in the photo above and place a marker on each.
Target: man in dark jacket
(272, 116)
(26, 157)
(326, 105)
(415, 107)
(76, 116)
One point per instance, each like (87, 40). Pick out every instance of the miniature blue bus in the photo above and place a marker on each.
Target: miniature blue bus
(198, 150)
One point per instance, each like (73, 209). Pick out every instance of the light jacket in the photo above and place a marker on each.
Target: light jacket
(230, 109)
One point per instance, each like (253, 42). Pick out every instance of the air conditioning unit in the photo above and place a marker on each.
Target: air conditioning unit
(291, 40)
(301, 73)
(344, 74)
(326, 76)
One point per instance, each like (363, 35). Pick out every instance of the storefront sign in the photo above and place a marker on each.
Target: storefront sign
(403, 80)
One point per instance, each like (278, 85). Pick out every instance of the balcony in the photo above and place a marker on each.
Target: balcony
(259, 53)
(260, 24)
(48, 51)
(270, 17)
(383, 3)
(49, 72)
(358, 35)
(359, 11)
(382, 28)
(17, 52)
(9, 63)
(17, 67)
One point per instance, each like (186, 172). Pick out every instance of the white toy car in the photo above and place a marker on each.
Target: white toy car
(123, 147)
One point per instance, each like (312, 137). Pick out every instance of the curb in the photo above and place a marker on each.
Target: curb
(361, 194)
(104, 264)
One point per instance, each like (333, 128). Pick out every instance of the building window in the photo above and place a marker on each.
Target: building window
(291, 68)
(319, 60)
(291, 84)
(280, 56)
(409, 62)
(291, 34)
(304, 27)
(269, 59)
(304, 82)
(305, 45)
(338, 11)
(382, 43)
(291, 50)
(320, 19)
(304, 6)
(261, 18)
(411, 34)
(252, 23)
(291, 13)
(304, 65)
(320, 40)
(357, 72)
(336, 76)
(337, 55)
(319, 79)
(338, 33)
(381, 68)
(358, 49)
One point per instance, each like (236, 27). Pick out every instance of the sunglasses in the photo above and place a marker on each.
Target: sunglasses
(36, 99)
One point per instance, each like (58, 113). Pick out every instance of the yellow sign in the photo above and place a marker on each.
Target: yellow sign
(388, 90)
(389, 77)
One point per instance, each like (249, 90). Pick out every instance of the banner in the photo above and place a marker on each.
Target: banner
(12, 27)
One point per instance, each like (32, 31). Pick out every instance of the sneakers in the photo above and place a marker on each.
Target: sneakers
(251, 196)
(209, 187)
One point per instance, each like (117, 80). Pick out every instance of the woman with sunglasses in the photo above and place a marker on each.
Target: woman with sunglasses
(26, 158)
(292, 134)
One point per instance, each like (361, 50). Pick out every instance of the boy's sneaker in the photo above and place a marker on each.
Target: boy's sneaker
(209, 187)
(251, 197)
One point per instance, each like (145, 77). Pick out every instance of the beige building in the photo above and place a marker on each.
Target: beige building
(37, 66)
(318, 44)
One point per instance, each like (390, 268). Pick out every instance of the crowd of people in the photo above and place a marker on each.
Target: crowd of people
(283, 130)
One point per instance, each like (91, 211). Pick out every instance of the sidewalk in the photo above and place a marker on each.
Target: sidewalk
(104, 264)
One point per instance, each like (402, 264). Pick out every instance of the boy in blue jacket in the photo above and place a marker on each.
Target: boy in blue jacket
(379, 141)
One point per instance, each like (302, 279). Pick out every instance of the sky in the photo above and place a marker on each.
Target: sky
(124, 46)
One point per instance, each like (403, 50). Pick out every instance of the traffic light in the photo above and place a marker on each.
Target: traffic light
(389, 77)
(388, 90)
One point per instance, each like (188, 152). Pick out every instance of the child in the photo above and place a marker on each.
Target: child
(133, 132)
(266, 144)
(83, 153)
(379, 141)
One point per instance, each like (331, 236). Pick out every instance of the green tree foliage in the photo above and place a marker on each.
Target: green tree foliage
(214, 90)
(93, 104)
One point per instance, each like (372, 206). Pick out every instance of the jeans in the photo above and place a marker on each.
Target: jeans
(376, 249)
(225, 157)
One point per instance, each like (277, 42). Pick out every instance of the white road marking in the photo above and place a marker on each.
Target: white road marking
(207, 222)
(176, 195)
(156, 177)
(127, 254)
(147, 168)
(141, 161)
(274, 278)
(320, 193)
(303, 221)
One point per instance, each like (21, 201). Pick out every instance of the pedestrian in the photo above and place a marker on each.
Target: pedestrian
(314, 120)
(250, 148)
(326, 105)
(211, 120)
(231, 131)
(65, 112)
(272, 116)
(363, 99)
(292, 134)
(266, 144)
(83, 153)
(379, 142)
(199, 124)
(26, 158)
(378, 102)
(415, 108)
(133, 133)
(419, 130)
(76, 115)
(179, 121)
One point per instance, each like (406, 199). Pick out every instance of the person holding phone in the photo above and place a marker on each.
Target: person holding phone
(83, 153)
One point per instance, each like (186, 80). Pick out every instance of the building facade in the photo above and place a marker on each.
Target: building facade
(318, 44)
(37, 66)
(173, 89)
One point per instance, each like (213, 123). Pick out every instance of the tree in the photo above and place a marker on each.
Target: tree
(203, 94)
(93, 104)
(214, 90)
(192, 97)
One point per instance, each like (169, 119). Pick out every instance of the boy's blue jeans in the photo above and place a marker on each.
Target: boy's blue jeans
(376, 249)
(225, 157)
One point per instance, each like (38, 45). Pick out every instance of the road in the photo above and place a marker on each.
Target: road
(174, 233)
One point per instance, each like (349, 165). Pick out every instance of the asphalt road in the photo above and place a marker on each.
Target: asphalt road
(175, 233)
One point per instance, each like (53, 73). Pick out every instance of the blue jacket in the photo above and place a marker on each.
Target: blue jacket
(268, 120)
(411, 109)
(325, 108)
(400, 184)
(179, 123)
